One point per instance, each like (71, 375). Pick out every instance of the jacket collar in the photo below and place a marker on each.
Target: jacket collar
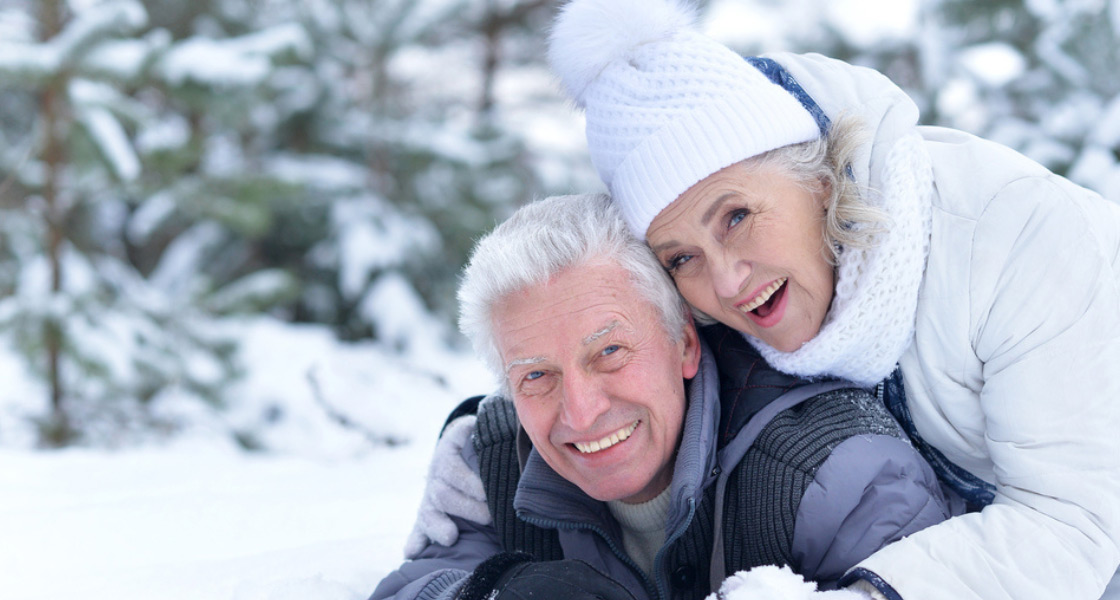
(747, 383)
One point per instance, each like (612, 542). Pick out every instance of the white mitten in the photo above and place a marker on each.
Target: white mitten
(453, 489)
(777, 583)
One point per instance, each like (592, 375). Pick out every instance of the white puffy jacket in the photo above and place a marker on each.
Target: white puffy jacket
(1014, 369)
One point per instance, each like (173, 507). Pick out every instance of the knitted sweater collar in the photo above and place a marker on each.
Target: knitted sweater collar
(871, 320)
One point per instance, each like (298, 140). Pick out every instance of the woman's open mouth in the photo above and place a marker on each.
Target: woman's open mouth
(768, 306)
(763, 304)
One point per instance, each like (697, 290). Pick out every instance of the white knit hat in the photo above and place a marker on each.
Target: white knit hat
(666, 106)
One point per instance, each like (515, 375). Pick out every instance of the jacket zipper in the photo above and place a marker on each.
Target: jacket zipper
(658, 586)
(662, 587)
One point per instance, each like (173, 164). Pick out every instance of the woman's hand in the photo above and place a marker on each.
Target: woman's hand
(453, 489)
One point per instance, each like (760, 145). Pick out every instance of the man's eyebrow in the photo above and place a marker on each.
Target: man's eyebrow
(604, 331)
(532, 360)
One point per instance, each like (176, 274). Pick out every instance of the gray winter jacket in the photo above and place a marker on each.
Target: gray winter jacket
(776, 471)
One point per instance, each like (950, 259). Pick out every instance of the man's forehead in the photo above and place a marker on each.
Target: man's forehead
(571, 310)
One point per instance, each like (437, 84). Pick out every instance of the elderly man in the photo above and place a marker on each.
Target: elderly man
(613, 466)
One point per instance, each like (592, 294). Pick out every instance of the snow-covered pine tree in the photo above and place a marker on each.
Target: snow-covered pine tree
(110, 314)
(403, 129)
(392, 140)
(1040, 76)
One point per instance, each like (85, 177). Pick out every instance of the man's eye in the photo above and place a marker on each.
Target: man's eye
(678, 261)
(609, 350)
(535, 383)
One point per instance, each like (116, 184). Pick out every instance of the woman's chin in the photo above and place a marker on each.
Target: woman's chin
(784, 344)
(787, 347)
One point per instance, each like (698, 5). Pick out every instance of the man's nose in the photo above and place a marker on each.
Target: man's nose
(584, 401)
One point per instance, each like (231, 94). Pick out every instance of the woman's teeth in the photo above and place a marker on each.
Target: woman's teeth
(608, 441)
(761, 299)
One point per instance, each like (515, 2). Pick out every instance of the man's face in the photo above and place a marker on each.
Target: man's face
(597, 383)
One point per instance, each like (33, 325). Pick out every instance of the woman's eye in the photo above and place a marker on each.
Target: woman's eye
(736, 216)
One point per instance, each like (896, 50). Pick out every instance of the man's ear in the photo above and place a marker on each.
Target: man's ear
(690, 351)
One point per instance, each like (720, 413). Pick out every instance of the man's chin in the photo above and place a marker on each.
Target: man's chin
(628, 492)
(609, 492)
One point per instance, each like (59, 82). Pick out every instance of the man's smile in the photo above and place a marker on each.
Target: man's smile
(607, 441)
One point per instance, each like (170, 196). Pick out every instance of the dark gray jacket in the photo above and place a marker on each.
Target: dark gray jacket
(776, 471)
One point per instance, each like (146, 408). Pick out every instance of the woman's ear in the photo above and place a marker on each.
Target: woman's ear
(824, 194)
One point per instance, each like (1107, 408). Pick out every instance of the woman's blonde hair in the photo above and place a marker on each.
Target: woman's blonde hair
(851, 219)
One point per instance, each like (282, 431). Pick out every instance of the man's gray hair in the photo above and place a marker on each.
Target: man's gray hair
(544, 238)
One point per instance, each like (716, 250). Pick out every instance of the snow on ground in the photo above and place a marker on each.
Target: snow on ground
(323, 515)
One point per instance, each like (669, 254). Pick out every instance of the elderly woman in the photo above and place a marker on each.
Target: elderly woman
(794, 199)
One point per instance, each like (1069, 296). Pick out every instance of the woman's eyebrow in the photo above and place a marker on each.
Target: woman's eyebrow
(704, 220)
(708, 214)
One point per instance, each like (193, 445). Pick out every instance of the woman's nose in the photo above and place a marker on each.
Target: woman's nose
(584, 401)
(728, 274)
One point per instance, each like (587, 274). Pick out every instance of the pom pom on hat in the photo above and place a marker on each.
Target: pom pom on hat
(588, 36)
(666, 106)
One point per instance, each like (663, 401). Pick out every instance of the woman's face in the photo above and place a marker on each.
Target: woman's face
(746, 246)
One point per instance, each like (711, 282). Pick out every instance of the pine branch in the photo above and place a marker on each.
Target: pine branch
(377, 439)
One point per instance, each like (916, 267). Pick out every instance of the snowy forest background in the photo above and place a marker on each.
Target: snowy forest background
(230, 232)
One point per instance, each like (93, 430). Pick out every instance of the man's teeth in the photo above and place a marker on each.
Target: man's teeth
(608, 441)
(764, 296)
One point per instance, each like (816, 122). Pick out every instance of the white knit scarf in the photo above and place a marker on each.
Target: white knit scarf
(871, 320)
